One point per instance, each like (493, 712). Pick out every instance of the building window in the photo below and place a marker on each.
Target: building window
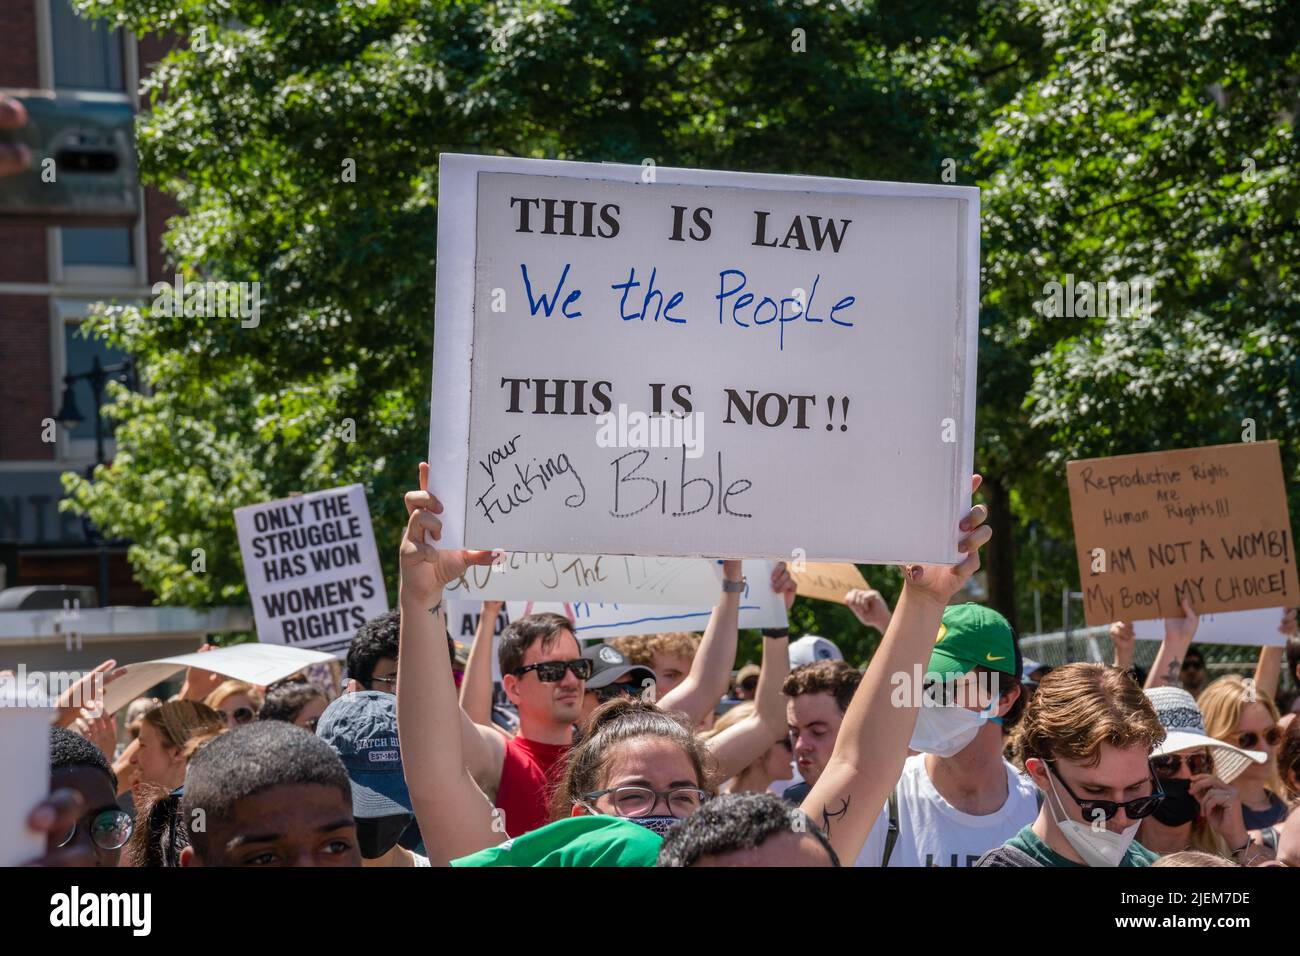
(87, 54)
(98, 247)
(80, 352)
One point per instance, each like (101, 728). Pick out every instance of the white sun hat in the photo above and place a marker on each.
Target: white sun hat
(1185, 730)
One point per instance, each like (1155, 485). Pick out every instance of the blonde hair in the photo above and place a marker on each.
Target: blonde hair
(1193, 858)
(1222, 703)
(729, 719)
(1078, 707)
(682, 644)
(179, 721)
(232, 687)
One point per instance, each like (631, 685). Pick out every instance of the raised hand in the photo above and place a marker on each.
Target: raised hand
(100, 730)
(425, 569)
(84, 694)
(1182, 629)
(1124, 639)
(869, 607)
(784, 584)
(940, 582)
(199, 683)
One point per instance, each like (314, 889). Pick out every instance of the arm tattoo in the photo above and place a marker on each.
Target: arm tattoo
(827, 815)
(437, 607)
(1171, 672)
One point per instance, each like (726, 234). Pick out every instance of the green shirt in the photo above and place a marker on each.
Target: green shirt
(1027, 841)
(588, 840)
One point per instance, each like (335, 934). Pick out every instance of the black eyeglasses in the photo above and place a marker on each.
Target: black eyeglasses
(109, 829)
(390, 680)
(549, 672)
(1136, 808)
(1170, 764)
(641, 801)
(1249, 740)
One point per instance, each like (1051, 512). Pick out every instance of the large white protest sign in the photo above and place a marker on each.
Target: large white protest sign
(312, 570)
(702, 363)
(1253, 628)
(259, 664)
(605, 578)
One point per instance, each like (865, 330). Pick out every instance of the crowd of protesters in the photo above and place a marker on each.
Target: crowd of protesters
(645, 751)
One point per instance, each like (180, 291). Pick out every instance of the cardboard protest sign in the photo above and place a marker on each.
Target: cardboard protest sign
(1209, 523)
(462, 622)
(827, 582)
(702, 364)
(1258, 628)
(312, 570)
(253, 663)
(606, 578)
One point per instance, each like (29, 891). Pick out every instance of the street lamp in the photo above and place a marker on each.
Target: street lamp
(70, 416)
(99, 375)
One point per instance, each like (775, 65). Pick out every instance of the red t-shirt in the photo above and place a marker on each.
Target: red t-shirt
(529, 775)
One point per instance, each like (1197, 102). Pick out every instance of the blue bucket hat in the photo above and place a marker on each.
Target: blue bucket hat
(362, 728)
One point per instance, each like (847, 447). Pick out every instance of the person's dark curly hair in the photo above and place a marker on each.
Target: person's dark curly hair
(73, 750)
(735, 821)
(375, 639)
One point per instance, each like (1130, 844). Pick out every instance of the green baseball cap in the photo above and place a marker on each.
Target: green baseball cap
(588, 840)
(973, 635)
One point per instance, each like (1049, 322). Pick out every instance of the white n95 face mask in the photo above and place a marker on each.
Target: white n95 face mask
(944, 731)
(1097, 846)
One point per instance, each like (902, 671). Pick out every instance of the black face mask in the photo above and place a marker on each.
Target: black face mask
(1178, 806)
(411, 839)
(377, 835)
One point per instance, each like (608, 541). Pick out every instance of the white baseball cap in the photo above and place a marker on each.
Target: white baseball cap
(811, 648)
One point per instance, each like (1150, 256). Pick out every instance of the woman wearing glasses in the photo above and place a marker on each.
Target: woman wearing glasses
(237, 702)
(1201, 810)
(1238, 714)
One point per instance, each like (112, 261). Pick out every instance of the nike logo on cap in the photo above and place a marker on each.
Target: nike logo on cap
(992, 658)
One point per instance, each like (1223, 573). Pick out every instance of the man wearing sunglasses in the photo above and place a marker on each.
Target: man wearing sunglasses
(103, 828)
(1086, 741)
(543, 673)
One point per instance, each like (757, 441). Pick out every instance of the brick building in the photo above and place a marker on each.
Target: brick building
(49, 277)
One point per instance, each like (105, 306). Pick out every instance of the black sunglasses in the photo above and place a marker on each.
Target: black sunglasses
(1170, 764)
(242, 715)
(614, 691)
(1136, 808)
(549, 672)
(109, 829)
(1248, 740)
